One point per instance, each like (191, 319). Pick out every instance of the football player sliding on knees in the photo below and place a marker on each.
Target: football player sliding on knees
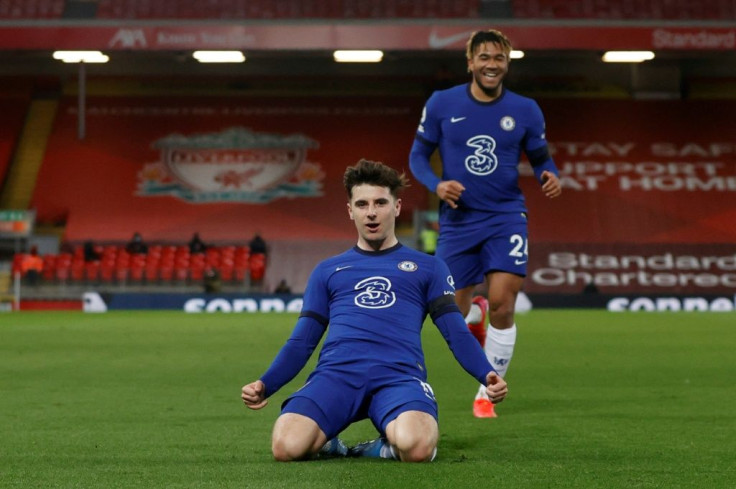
(370, 302)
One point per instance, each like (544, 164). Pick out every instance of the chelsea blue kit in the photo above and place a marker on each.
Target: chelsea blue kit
(480, 144)
(372, 306)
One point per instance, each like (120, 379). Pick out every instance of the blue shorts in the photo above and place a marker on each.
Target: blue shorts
(335, 399)
(496, 243)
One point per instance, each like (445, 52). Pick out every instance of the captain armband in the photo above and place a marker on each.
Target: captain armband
(538, 156)
(442, 305)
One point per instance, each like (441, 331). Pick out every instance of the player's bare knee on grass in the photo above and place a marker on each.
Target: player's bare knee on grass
(421, 451)
(295, 437)
(414, 435)
(286, 452)
(286, 448)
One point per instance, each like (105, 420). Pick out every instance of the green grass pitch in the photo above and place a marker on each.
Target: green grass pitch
(151, 399)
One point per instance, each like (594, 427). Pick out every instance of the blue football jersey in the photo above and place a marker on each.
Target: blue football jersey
(480, 145)
(375, 304)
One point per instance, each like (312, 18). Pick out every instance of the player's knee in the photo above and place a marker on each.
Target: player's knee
(415, 446)
(286, 449)
(501, 313)
(423, 451)
(418, 456)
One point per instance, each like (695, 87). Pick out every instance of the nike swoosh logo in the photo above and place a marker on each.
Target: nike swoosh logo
(457, 119)
(342, 268)
(437, 42)
(519, 262)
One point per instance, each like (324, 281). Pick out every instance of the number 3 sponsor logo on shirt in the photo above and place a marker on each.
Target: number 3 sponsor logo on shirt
(374, 293)
(483, 161)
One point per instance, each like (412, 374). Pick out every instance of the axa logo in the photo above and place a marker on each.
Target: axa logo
(128, 38)
(483, 161)
(374, 293)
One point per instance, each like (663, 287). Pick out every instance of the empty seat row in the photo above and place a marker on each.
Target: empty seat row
(160, 265)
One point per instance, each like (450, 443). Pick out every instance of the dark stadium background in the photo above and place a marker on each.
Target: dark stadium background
(684, 98)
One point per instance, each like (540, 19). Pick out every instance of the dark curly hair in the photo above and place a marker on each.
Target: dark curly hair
(374, 173)
(481, 37)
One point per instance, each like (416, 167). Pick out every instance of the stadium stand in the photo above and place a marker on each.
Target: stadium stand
(625, 9)
(28, 156)
(14, 108)
(31, 9)
(124, 127)
(284, 9)
(392, 9)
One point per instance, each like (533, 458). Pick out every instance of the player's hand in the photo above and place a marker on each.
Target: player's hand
(496, 387)
(449, 191)
(551, 187)
(253, 395)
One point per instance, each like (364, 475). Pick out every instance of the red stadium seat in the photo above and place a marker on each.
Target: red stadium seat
(76, 273)
(78, 252)
(227, 251)
(226, 273)
(63, 265)
(213, 257)
(257, 267)
(166, 273)
(62, 275)
(181, 274)
(151, 274)
(240, 274)
(107, 272)
(92, 271)
(121, 274)
(196, 274)
(49, 267)
(136, 273)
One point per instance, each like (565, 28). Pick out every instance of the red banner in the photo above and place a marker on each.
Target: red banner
(639, 172)
(397, 35)
(225, 167)
(649, 201)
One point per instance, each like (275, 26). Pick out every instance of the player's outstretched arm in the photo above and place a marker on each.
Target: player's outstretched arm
(464, 346)
(552, 187)
(496, 387)
(254, 395)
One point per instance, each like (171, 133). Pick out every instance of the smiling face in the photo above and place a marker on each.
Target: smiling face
(374, 211)
(488, 66)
